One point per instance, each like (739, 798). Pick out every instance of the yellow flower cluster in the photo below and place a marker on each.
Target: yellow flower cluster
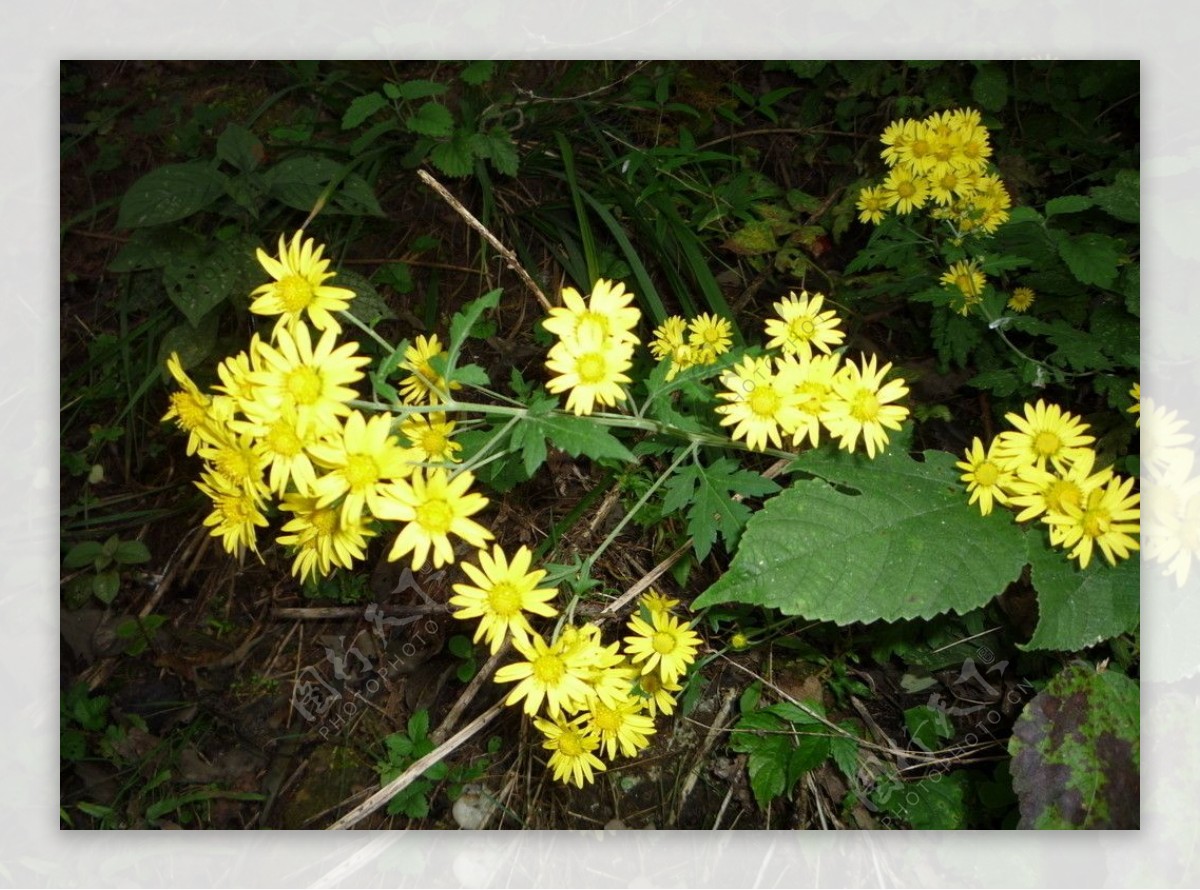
(806, 387)
(1045, 467)
(588, 699)
(690, 344)
(281, 424)
(595, 345)
(941, 161)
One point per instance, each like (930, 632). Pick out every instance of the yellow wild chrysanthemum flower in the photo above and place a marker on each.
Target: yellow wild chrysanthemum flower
(1044, 433)
(572, 744)
(550, 672)
(760, 403)
(433, 506)
(321, 537)
(237, 456)
(608, 313)
(431, 437)
(663, 644)
(620, 725)
(189, 407)
(360, 459)
(1022, 298)
(711, 336)
(1135, 393)
(812, 381)
(801, 326)
(863, 405)
(299, 287)
(656, 693)
(668, 337)
(903, 191)
(236, 513)
(424, 384)
(592, 368)
(312, 380)
(284, 446)
(872, 204)
(988, 479)
(503, 591)
(1108, 519)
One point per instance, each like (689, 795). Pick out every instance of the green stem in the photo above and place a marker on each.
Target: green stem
(353, 319)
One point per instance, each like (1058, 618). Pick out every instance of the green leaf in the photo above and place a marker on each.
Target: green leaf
(928, 726)
(192, 343)
(502, 151)
(1092, 258)
(477, 73)
(1003, 263)
(1002, 382)
(465, 320)
(362, 108)
(131, 553)
(461, 646)
(82, 554)
(1122, 199)
(239, 147)
(1075, 752)
(1080, 608)
(431, 119)
(578, 436)
(368, 306)
(299, 181)
(170, 193)
(355, 196)
(1067, 204)
(198, 282)
(843, 749)
(869, 540)
(456, 156)
(420, 89)
(106, 585)
(767, 767)
(707, 493)
(937, 802)
(418, 725)
(752, 239)
(990, 87)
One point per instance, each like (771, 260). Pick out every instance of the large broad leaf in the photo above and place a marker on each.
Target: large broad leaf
(1075, 752)
(1080, 607)
(890, 538)
(170, 193)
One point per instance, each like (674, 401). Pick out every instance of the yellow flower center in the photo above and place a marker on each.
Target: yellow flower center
(906, 189)
(504, 599)
(919, 148)
(663, 642)
(548, 669)
(294, 292)
(802, 328)
(965, 283)
(651, 683)
(323, 521)
(605, 718)
(813, 395)
(1095, 522)
(435, 516)
(361, 471)
(591, 368)
(764, 401)
(233, 463)
(304, 385)
(986, 474)
(864, 407)
(1046, 443)
(1062, 493)
(237, 510)
(281, 438)
(569, 744)
(433, 442)
(192, 412)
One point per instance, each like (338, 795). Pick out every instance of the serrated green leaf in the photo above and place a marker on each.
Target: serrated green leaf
(579, 436)
(1003, 263)
(768, 770)
(990, 87)
(502, 151)
(1092, 258)
(239, 147)
(368, 305)
(1122, 199)
(843, 750)
(431, 119)
(478, 72)
(465, 319)
(355, 196)
(170, 193)
(1002, 382)
(1067, 204)
(935, 803)
(1078, 608)
(418, 726)
(362, 108)
(894, 539)
(420, 89)
(198, 282)
(105, 585)
(927, 726)
(454, 157)
(707, 492)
